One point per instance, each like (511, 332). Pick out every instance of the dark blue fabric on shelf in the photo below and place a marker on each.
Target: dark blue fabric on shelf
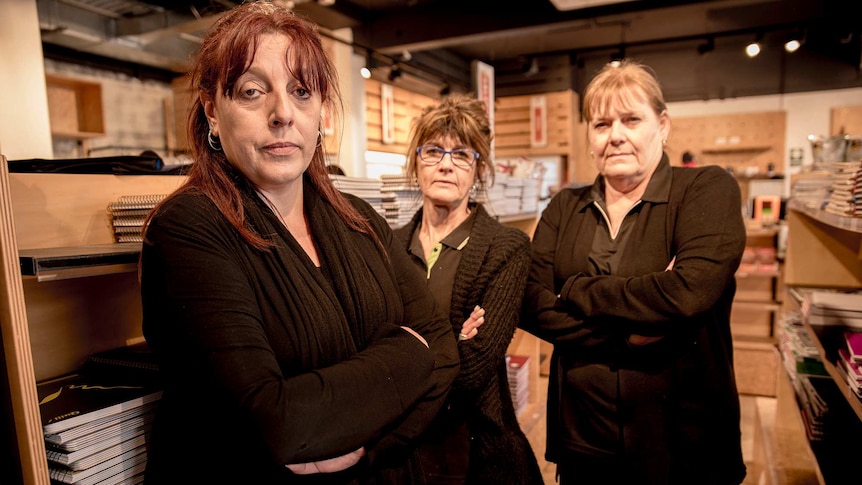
(117, 165)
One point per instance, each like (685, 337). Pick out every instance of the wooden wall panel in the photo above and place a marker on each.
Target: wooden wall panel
(847, 120)
(743, 142)
(408, 106)
(512, 125)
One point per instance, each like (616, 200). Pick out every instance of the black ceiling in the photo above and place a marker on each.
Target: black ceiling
(564, 47)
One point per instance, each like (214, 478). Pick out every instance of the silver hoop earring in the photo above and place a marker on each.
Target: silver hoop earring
(214, 142)
(319, 138)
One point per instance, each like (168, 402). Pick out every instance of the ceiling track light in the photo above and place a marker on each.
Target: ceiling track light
(794, 41)
(618, 55)
(370, 64)
(706, 47)
(753, 49)
(395, 73)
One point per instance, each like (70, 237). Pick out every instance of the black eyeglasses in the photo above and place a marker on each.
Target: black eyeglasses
(461, 158)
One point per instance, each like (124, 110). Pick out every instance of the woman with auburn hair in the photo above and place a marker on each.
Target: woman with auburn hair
(295, 342)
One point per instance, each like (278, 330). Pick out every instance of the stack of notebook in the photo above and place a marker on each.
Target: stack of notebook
(127, 215)
(849, 363)
(96, 425)
(833, 308)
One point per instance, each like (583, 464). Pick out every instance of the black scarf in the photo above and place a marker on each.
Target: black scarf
(334, 310)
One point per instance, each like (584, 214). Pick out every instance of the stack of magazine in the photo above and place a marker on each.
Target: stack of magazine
(96, 422)
(518, 371)
(401, 199)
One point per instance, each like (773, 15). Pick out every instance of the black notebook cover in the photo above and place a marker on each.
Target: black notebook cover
(77, 398)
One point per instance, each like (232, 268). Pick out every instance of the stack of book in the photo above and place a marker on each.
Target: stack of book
(494, 196)
(804, 368)
(833, 308)
(364, 188)
(846, 196)
(127, 215)
(812, 190)
(518, 370)
(849, 363)
(530, 195)
(798, 351)
(401, 199)
(96, 424)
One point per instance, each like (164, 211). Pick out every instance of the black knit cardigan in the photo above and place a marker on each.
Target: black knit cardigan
(492, 274)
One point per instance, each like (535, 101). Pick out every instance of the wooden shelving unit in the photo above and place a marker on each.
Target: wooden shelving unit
(75, 108)
(754, 313)
(67, 291)
(823, 251)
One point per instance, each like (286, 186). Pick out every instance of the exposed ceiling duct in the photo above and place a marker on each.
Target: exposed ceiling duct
(124, 30)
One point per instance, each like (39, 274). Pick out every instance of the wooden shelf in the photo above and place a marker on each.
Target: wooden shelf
(852, 224)
(823, 249)
(49, 264)
(828, 339)
(736, 148)
(75, 108)
(524, 216)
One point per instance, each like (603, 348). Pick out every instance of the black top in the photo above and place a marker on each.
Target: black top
(269, 360)
(491, 273)
(445, 257)
(669, 409)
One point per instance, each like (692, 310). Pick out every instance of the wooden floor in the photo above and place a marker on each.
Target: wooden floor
(534, 428)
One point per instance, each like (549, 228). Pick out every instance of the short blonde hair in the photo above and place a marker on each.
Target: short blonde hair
(620, 83)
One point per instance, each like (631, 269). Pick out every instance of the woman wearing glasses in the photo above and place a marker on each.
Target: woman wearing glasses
(477, 269)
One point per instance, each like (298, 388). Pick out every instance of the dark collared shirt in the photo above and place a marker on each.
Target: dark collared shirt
(442, 265)
(608, 249)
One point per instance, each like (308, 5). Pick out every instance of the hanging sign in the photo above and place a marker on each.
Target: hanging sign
(387, 106)
(483, 86)
(538, 121)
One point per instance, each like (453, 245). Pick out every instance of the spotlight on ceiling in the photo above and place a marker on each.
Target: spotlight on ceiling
(395, 73)
(370, 63)
(794, 42)
(753, 49)
(707, 46)
(445, 90)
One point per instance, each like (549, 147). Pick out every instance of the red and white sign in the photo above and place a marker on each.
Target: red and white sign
(327, 122)
(483, 85)
(538, 121)
(387, 107)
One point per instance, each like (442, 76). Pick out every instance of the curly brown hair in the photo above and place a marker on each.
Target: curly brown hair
(461, 117)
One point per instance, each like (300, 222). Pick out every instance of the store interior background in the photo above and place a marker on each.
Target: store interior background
(534, 47)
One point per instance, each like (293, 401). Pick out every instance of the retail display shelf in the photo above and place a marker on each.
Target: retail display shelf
(524, 216)
(846, 223)
(729, 148)
(48, 264)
